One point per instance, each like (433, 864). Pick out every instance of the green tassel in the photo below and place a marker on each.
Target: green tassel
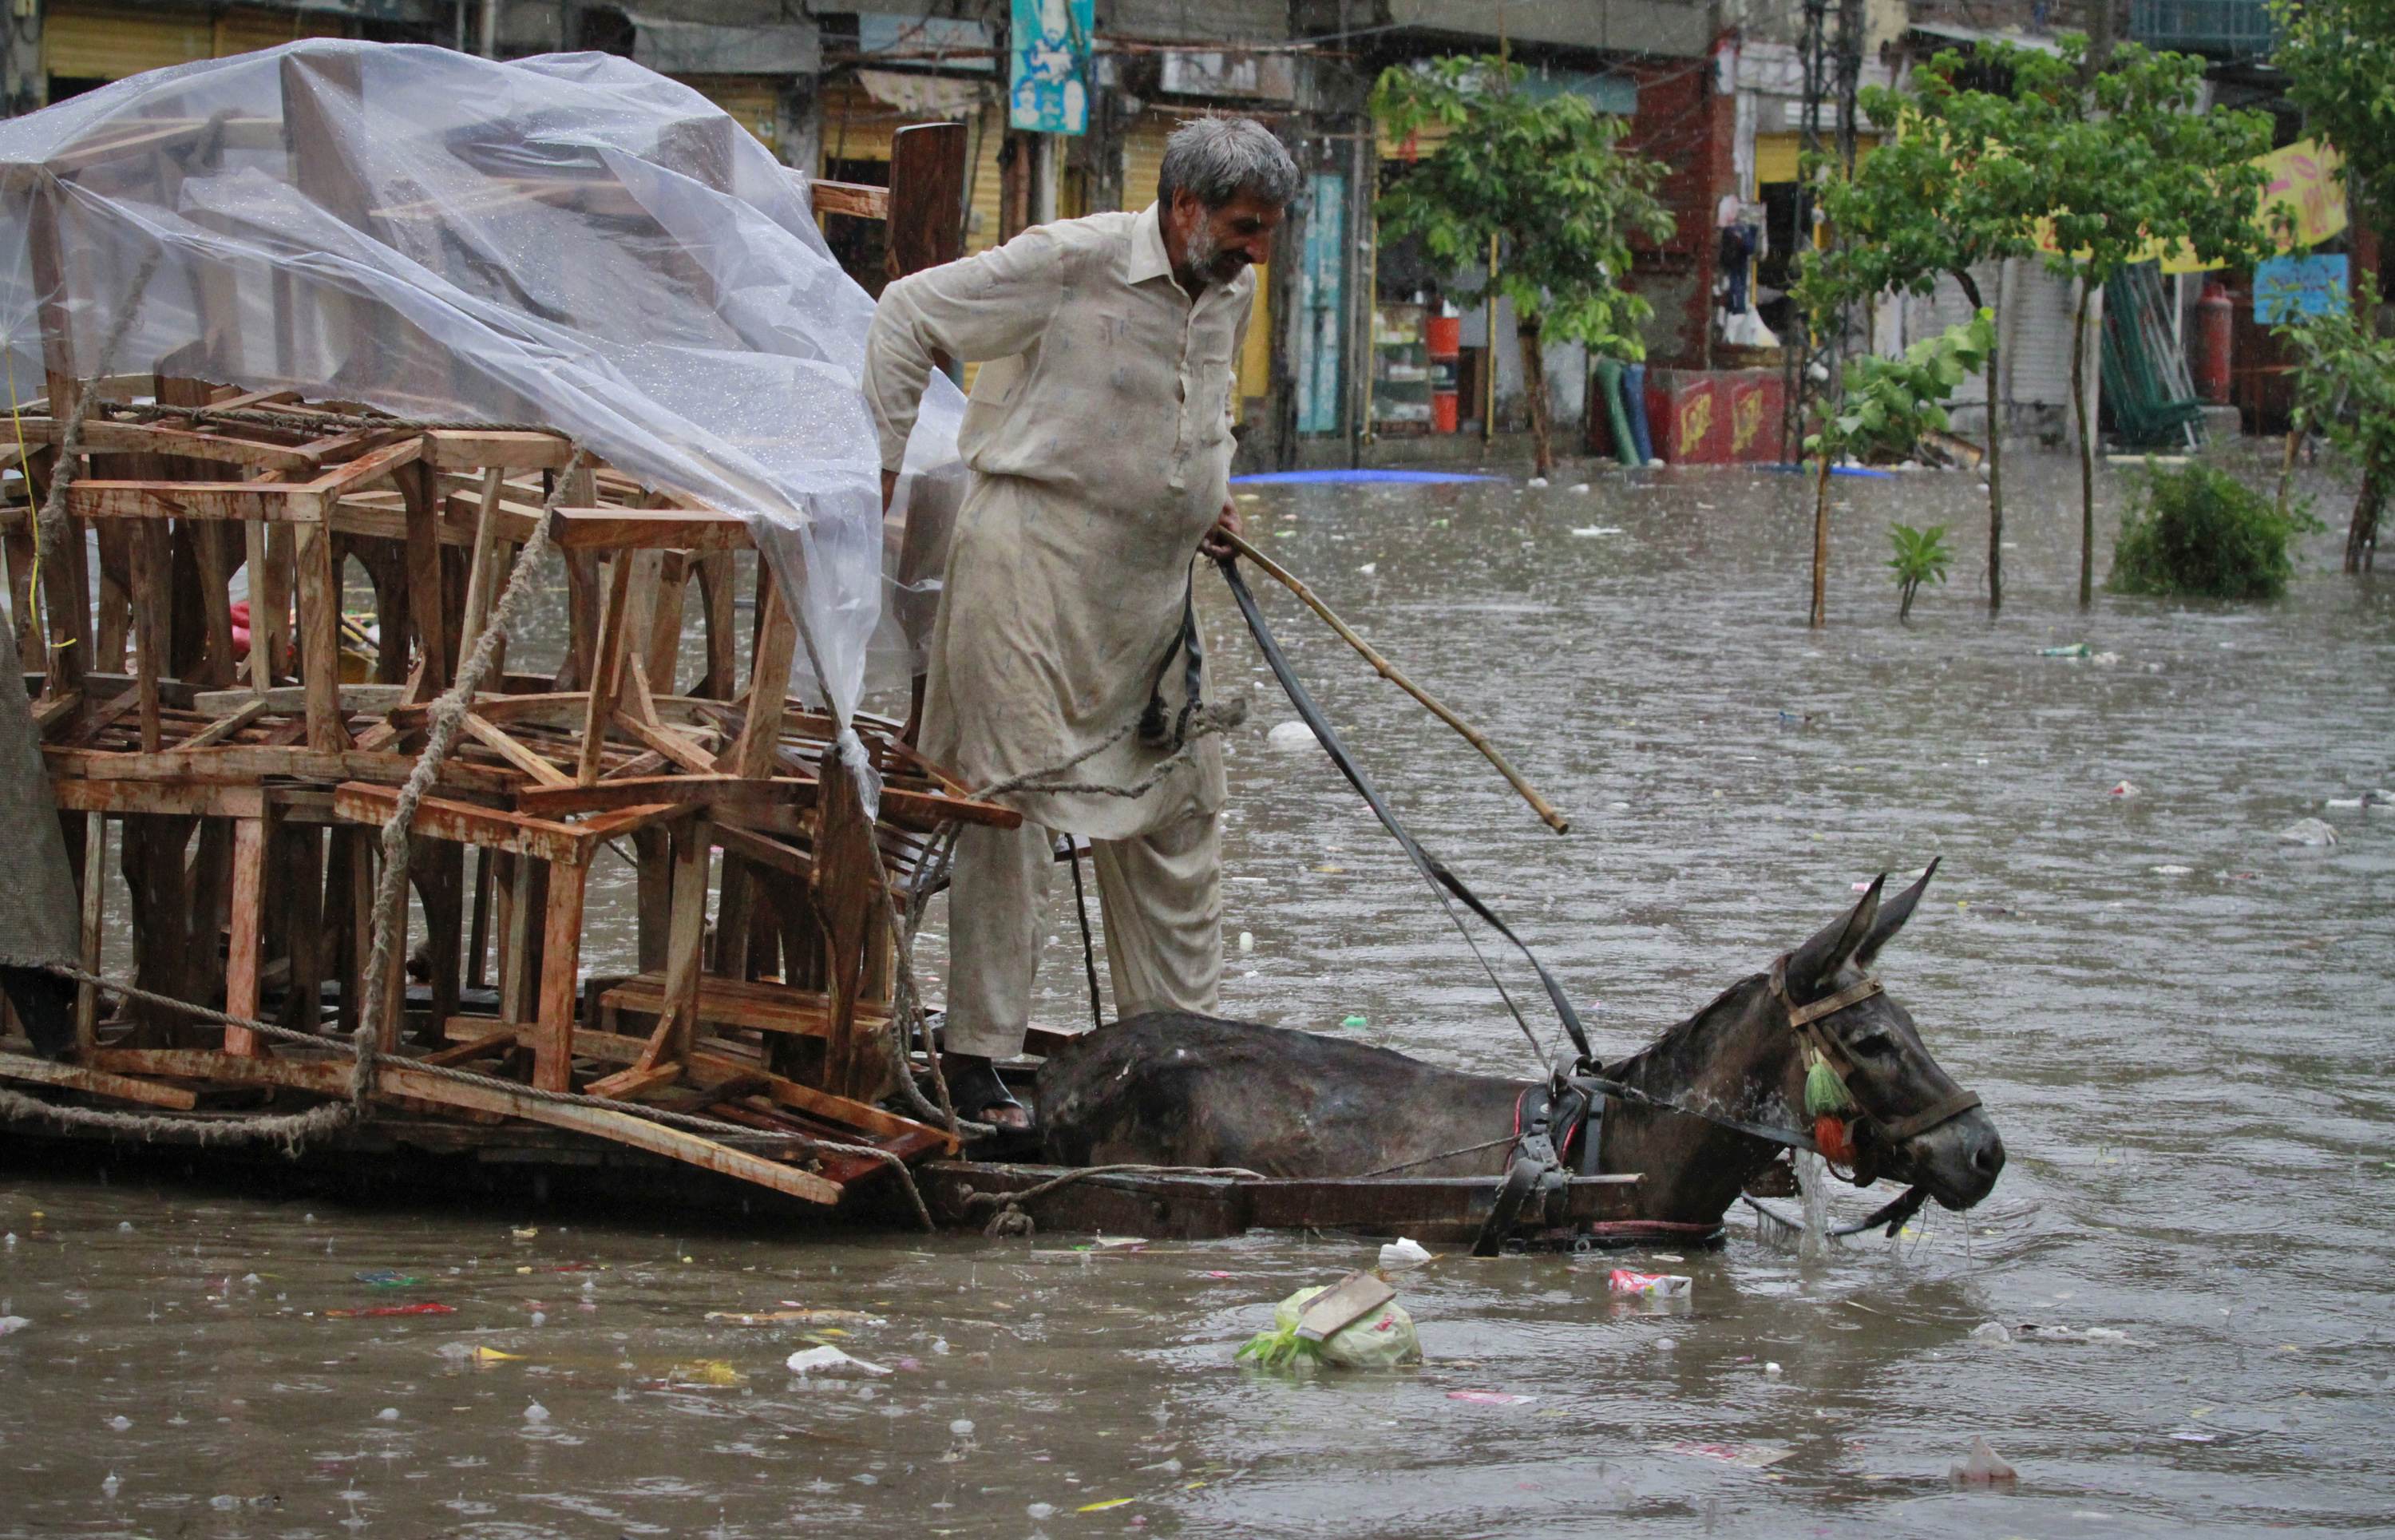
(1824, 1092)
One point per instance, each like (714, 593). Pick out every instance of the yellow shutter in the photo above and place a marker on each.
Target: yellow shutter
(1776, 154)
(246, 29)
(1143, 156)
(752, 101)
(101, 42)
(855, 127)
(1255, 360)
(985, 182)
(1422, 141)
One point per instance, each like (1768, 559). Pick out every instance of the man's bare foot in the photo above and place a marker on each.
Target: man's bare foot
(977, 1094)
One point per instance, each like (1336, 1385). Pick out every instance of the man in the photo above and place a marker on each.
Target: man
(37, 904)
(1099, 437)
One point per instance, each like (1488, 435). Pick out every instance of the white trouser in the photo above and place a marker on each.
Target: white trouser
(1162, 897)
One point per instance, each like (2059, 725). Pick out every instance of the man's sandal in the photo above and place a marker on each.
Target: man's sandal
(976, 1091)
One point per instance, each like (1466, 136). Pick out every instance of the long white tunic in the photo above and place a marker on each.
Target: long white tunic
(1099, 435)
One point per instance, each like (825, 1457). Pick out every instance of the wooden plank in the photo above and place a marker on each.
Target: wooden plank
(426, 611)
(150, 438)
(19, 1066)
(540, 769)
(354, 700)
(771, 854)
(172, 798)
(491, 449)
(678, 1022)
(365, 469)
(822, 1104)
(319, 637)
(502, 1041)
(94, 897)
(398, 1078)
(483, 576)
(152, 582)
(607, 675)
(666, 741)
(628, 1084)
(857, 200)
(225, 726)
(769, 681)
(277, 502)
(447, 818)
(621, 1128)
(240, 763)
(242, 959)
(756, 1006)
(647, 529)
(560, 945)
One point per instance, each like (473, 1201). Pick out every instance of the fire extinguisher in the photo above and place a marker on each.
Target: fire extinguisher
(2213, 328)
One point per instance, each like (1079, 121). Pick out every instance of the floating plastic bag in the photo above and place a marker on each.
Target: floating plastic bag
(1384, 1339)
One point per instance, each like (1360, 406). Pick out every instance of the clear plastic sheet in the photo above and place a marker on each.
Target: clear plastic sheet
(569, 241)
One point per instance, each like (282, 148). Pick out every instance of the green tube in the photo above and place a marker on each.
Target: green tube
(1608, 379)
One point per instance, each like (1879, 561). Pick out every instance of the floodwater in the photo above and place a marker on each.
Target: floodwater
(2180, 1022)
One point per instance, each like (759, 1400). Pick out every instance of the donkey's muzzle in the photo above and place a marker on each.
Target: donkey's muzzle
(1959, 1161)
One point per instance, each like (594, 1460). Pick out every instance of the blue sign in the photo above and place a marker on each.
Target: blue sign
(1048, 66)
(2285, 287)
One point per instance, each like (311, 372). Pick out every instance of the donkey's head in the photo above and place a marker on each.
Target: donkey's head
(1908, 1120)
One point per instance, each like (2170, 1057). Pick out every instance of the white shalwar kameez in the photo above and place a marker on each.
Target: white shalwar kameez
(1099, 435)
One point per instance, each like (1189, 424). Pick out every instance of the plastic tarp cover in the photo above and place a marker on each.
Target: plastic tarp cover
(569, 241)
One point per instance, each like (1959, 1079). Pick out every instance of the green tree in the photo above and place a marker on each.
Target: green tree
(2345, 391)
(1889, 404)
(2339, 59)
(1546, 176)
(1952, 186)
(2130, 163)
(1921, 557)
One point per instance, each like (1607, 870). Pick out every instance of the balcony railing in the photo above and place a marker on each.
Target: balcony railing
(2222, 29)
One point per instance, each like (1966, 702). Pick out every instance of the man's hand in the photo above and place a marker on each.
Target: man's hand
(1214, 545)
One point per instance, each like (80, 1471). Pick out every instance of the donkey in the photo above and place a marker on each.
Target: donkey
(1171, 1088)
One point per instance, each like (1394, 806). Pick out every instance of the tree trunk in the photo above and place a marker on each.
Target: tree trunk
(2362, 535)
(2086, 446)
(1995, 441)
(1534, 391)
(1820, 612)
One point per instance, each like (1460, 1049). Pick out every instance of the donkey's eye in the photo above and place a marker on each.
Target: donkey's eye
(1873, 1043)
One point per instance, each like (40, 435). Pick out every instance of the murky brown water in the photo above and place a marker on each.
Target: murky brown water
(2191, 1071)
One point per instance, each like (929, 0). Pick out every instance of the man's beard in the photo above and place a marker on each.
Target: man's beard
(1205, 257)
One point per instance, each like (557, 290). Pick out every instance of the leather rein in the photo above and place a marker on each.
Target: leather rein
(1574, 1108)
(1804, 1021)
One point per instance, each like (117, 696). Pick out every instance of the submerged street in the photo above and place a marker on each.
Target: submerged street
(2177, 1020)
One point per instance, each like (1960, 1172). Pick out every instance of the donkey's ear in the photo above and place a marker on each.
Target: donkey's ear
(1817, 960)
(1892, 916)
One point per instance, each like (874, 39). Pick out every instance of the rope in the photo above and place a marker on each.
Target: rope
(315, 423)
(736, 1135)
(291, 1130)
(448, 717)
(1012, 1220)
(1448, 1155)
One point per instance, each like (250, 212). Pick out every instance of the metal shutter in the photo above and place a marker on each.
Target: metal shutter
(100, 42)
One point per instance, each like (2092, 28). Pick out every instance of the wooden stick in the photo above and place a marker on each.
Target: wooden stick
(1472, 734)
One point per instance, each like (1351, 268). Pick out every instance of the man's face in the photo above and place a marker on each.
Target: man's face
(1216, 244)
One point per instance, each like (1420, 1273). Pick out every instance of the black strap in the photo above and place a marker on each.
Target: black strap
(1441, 879)
(1153, 729)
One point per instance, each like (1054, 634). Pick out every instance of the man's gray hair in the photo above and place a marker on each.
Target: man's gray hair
(1217, 158)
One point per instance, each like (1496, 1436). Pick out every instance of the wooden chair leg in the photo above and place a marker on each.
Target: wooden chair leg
(552, 1065)
(242, 949)
(95, 897)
